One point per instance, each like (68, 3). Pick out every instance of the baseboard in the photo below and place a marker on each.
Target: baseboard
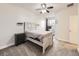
(67, 42)
(5, 46)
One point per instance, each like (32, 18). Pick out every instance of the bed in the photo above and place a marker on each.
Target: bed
(42, 38)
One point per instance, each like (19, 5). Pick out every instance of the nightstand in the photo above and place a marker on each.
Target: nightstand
(20, 38)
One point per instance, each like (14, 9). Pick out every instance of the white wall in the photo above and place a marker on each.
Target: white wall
(62, 30)
(9, 16)
(78, 23)
(78, 29)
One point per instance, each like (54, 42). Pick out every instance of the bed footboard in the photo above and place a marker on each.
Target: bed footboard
(47, 41)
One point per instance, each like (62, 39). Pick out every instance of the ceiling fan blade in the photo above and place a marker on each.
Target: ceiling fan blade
(40, 12)
(39, 9)
(47, 11)
(71, 4)
(50, 7)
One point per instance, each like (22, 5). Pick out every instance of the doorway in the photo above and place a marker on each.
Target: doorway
(73, 29)
(51, 24)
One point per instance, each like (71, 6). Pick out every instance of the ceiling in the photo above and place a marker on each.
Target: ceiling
(33, 6)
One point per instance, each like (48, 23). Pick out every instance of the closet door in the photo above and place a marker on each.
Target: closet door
(73, 29)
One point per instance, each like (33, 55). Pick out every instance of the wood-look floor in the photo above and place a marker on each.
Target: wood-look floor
(59, 48)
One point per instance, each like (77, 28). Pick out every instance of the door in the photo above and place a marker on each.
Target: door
(73, 29)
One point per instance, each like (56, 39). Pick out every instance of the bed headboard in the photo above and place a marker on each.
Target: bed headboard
(32, 26)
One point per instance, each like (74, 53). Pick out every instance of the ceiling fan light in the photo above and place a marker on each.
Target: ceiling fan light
(43, 5)
(43, 11)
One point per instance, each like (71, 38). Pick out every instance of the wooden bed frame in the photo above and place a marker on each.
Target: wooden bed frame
(47, 40)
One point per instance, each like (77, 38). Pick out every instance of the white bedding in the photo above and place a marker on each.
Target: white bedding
(37, 34)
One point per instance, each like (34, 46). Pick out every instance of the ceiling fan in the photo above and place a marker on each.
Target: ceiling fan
(44, 8)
